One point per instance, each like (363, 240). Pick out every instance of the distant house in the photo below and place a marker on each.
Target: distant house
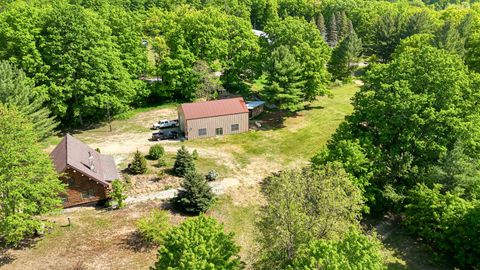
(87, 173)
(213, 118)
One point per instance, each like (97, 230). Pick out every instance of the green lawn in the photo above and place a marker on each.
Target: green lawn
(294, 137)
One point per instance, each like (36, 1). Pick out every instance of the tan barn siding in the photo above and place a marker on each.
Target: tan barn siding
(212, 123)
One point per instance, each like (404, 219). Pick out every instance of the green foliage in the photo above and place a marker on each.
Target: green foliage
(70, 53)
(29, 185)
(118, 193)
(184, 162)
(411, 113)
(152, 227)
(303, 206)
(340, 65)
(18, 90)
(354, 251)
(447, 221)
(196, 195)
(139, 164)
(198, 243)
(303, 40)
(285, 83)
(156, 152)
(195, 154)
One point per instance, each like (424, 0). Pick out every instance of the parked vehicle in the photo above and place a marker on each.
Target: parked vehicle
(165, 135)
(165, 124)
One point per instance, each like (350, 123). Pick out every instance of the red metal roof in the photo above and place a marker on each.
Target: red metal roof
(214, 108)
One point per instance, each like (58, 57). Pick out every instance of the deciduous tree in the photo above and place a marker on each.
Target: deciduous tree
(29, 185)
(198, 243)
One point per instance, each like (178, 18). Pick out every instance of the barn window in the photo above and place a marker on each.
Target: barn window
(87, 194)
(219, 131)
(202, 132)
(235, 127)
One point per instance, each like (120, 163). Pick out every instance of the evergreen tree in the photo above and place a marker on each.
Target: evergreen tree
(139, 164)
(450, 39)
(347, 52)
(29, 184)
(184, 162)
(342, 25)
(196, 195)
(117, 194)
(333, 31)
(198, 243)
(156, 152)
(321, 26)
(16, 89)
(285, 84)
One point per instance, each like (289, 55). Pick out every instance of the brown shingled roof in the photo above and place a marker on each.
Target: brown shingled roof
(214, 108)
(71, 152)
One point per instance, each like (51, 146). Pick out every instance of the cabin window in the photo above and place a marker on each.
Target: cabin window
(87, 194)
(71, 182)
(219, 131)
(202, 132)
(235, 127)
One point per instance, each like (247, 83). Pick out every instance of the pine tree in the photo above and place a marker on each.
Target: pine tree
(342, 25)
(321, 26)
(285, 84)
(184, 162)
(332, 31)
(18, 90)
(139, 164)
(196, 195)
(347, 52)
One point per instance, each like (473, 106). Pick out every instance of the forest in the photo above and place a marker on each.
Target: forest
(411, 147)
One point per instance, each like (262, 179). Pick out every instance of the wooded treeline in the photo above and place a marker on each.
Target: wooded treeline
(87, 58)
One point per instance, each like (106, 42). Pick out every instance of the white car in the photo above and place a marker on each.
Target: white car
(165, 124)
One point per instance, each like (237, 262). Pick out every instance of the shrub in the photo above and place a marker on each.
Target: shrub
(152, 227)
(160, 174)
(118, 193)
(198, 243)
(184, 162)
(161, 162)
(156, 152)
(212, 175)
(195, 154)
(196, 195)
(139, 164)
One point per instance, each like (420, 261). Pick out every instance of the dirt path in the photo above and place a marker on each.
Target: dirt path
(219, 187)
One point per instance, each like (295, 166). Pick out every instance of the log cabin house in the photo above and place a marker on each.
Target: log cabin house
(87, 173)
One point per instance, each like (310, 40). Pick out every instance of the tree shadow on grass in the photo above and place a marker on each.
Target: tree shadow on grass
(416, 254)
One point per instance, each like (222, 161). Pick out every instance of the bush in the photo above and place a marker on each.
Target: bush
(161, 162)
(184, 162)
(160, 174)
(139, 164)
(156, 152)
(195, 154)
(212, 175)
(198, 243)
(152, 227)
(196, 195)
(117, 193)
